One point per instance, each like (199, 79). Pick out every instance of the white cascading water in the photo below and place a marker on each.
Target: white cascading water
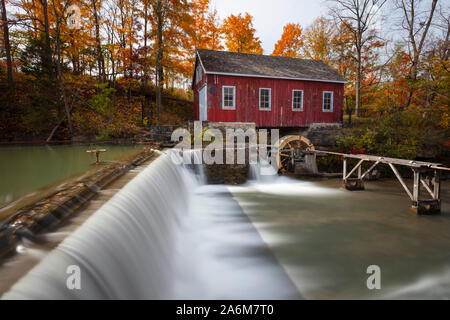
(262, 171)
(126, 249)
(165, 235)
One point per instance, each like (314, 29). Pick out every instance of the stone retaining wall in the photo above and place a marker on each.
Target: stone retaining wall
(321, 135)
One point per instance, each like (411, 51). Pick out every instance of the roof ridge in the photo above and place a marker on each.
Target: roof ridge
(259, 55)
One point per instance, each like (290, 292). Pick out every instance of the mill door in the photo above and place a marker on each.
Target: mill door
(203, 113)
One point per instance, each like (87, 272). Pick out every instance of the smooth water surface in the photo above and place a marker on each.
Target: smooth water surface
(24, 169)
(325, 237)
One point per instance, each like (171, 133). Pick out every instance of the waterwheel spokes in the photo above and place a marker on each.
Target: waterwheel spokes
(289, 148)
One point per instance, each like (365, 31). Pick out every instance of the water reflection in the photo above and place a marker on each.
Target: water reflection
(27, 168)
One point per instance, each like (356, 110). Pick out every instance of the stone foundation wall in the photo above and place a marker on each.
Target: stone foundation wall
(321, 135)
(226, 174)
(162, 133)
(324, 136)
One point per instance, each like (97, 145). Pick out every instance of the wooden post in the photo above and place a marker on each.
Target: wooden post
(344, 172)
(437, 185)
(353, 183)
(97, 154)
(416, 187)
(426, 206)
(370, 169)
(400, 179)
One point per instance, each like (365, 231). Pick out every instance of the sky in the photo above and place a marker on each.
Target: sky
(271, 16)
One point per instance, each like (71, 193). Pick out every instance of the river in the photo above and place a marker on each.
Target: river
(167, 234)
(325, 237)
(27, 169)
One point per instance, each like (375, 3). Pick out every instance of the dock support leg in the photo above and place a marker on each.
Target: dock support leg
(352, 184)
(416, 188)
(428, 206)
(437, 185)
(344, 168)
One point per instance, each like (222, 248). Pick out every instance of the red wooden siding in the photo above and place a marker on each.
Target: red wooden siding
(281, 113)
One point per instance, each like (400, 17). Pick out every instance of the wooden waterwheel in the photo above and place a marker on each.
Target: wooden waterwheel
(290, 149)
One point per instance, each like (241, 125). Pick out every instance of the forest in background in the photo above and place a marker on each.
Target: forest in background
(106, 67)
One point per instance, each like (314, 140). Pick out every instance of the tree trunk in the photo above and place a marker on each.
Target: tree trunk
(159, 58)
(113, 69)
(62, 120)
(144, 83)
(48, 63)
(417, 49)
(358, 86)
(7, 45)
(100, 59)
(145, 73)
(58, 67)
(412, 78)
(349, 112)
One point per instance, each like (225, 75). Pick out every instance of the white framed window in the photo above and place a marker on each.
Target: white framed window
(297, 100)
(327, 101)
(265, 98)
(229, 97)
(199, 74)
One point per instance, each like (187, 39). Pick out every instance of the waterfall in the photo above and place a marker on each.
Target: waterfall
(165, 235)
(126, 249)
(254, 172)
(262, 171)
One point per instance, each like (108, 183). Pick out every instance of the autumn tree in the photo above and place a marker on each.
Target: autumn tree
(5, 27)
(59, 10)
(167, 17)
(358, 16)
(112, 48)
(291, 42)
(201, 31)
(95, 12)
(318, 40)
(416, 23)
(36, 18)
(78, 37)
(240, 35)
(214, 31)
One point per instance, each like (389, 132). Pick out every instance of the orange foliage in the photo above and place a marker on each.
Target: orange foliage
(240, 34)
(291, 42)
(318, 37)
(202, 30)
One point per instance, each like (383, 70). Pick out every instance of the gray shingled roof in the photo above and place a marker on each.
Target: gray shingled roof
(266, 66)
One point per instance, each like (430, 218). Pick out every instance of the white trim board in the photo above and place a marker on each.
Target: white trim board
(271, 77)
